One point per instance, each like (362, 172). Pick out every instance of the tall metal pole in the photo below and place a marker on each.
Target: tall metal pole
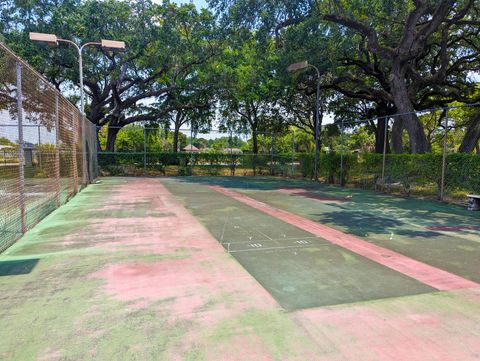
(300, 66)
(444, 157)
(384, 160)
(57, 154)
(82, 123)
(21, 175)
(74, 154)
(82, 102)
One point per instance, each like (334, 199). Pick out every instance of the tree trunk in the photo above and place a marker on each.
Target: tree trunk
(112, 137)
(408, 118)
(255, 147)
(176, 131)
(255, 142)
(472, 136)
(397, 136)
(175, 139)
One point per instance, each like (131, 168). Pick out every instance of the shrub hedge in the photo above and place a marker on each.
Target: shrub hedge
(411, 170)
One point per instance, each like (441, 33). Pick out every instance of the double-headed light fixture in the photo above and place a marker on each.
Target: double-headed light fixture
(53, 40)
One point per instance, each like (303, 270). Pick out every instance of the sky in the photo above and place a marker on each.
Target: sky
(198, 3)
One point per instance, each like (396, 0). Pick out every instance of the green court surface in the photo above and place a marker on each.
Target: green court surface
(173, 269)
(297, 268)
(441, 235)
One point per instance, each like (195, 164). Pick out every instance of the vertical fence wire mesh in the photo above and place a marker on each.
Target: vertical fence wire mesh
(352, 159)
(41, 148)
(442, 173)
(146, 149)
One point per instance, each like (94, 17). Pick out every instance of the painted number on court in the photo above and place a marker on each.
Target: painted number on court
(302, 242)
(255, 245)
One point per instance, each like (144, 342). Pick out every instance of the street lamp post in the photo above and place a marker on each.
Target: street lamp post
(301, 66)
(52, 39)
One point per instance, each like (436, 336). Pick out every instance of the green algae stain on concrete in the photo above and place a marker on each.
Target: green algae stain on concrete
(273, 329)
(30, 325)
(52, 310)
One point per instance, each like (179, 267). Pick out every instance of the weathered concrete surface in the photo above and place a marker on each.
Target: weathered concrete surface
(125, 272)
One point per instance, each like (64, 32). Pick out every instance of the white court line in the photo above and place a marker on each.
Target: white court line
(280, 247)
(273, 239)
(223, 230)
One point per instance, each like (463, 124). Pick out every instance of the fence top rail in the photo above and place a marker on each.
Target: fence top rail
(391, 116)
(30, 68)
(234, 132)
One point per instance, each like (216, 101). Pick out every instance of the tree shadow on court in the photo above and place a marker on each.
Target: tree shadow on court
(20, 267)
(253, 183)
(362, 224)
(424, 212)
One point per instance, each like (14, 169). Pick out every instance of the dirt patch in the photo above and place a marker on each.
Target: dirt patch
(144, 283)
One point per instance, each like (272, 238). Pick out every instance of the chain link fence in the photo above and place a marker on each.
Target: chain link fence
(347, 158)
(43, 160)
(442, 173)
(156, 151)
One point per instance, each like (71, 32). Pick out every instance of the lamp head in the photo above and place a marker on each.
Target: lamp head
(297, 66)
(113, 44)
(50, 39)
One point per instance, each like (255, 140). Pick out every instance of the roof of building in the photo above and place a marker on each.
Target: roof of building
(191, 148)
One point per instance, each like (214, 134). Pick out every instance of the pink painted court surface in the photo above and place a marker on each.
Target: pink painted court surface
(197, 269)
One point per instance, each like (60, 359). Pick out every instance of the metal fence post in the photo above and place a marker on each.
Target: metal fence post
(96, 129)
(444, 157)
(23, 215)
(144, 151)
(83, 124)
(57, 154)
(74, 153)
(232, 162)
(39, 150)
(293, 153)
(255, 155)
(272, 171)
(384, 160)
(341, 155)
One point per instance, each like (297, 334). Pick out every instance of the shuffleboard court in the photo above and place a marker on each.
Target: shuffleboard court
(125, 271)
(299, 269)
(441, 235)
